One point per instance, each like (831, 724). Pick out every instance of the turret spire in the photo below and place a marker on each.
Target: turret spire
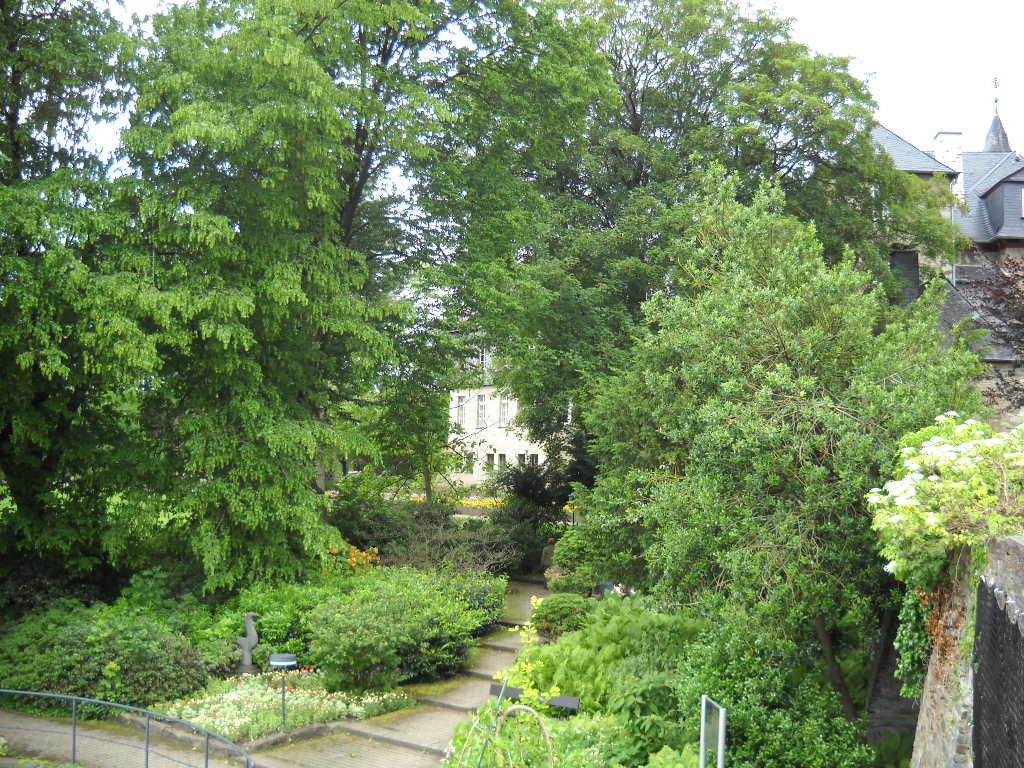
(997, 140)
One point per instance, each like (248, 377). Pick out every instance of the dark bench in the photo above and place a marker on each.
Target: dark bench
(569, 703)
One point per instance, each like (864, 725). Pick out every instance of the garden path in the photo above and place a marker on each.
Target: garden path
(412, 738)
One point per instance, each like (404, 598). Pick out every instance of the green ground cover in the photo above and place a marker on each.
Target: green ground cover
(250, 706)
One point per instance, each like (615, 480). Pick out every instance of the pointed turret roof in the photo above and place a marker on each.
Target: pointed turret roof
(997, 141)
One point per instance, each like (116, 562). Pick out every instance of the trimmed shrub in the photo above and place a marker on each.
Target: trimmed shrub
(558, 613)
(395, 625)
(99, 653)
(481, 593)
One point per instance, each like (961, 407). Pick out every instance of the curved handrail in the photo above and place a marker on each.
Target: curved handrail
(149, 713)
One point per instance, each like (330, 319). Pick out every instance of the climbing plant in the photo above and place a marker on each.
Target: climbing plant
(962, 485)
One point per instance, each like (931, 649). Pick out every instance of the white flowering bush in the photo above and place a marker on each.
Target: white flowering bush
(248, 707)
(962, 484)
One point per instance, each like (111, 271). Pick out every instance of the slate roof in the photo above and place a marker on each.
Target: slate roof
(905, 155)
(997, 140)
(983, 171)
(1007, 165)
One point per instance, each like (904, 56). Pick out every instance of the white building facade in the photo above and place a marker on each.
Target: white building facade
(482, 430)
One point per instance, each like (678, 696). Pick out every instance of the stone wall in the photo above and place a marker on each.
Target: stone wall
(945, 726)
(943, 736)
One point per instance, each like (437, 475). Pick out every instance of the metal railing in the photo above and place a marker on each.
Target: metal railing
(207, 739)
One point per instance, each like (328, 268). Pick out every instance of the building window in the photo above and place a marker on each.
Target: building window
(501, 460)
(490, 462)
(503, 412)
(521, 459)
(533, 459)
(460, 412)
(468, 466)
(481, 411)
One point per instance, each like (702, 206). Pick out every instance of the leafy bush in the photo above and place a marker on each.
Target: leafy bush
(586, 663)
(558, 613)
(413, 534)
(101, 653)
(535, 495)
(281, 610)
(779, 713)
(583, 741)
(454, 544)
(365, 517)
(670, 758)
(396, 624)
(481, 593)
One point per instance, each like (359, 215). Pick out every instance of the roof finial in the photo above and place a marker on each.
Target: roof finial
(995, 87)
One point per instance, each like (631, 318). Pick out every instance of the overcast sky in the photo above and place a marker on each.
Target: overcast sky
(929, 63)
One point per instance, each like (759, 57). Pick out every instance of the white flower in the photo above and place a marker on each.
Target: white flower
(890, 566)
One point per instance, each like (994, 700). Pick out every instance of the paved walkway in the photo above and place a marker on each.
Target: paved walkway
(413, 738)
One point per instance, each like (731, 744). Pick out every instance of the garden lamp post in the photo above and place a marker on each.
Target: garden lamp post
(284, 662)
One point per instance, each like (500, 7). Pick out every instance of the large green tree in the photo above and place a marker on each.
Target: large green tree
(194, 339)
(68, 345)
(559, 291)
(761, 401)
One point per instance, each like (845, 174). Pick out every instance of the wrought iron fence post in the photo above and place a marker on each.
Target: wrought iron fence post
(145, 760)
(74, 731)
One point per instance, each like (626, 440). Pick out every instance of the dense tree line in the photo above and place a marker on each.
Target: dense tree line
(667, 219)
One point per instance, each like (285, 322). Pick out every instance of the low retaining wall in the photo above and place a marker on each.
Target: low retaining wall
(948, 735)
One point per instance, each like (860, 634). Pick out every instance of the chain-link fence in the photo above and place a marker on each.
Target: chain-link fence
(998, 681)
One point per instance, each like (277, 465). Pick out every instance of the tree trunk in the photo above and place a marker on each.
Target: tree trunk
(428, 483)
(835, 674)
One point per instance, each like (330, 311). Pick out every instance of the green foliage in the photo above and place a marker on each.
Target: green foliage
(779, 713)
(737, 441)
(696, 82)
(610, 540)
(423, 536)
(619, 663)
(68, 342)
(397, 624)
(582, 741)
(99, 652)
(961, 486)
(281, 610)
(558, 613)
(534, 496)
(894, 751)
(667, 757)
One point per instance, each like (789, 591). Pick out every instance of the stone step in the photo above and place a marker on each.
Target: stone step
(426, 728)
(507, 639)
(517, 600)
(485, 662)
(470, 693)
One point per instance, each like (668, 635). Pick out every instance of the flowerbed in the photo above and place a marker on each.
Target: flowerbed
(249, 707)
